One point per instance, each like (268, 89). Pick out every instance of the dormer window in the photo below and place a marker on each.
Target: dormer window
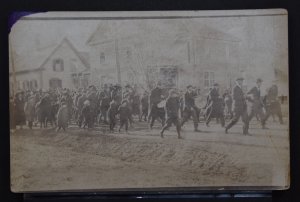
(102, 58)
(58, 65)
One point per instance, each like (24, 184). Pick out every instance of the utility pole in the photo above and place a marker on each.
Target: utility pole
(118, 62)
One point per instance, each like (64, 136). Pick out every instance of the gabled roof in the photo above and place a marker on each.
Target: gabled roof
(33, 62)
(178, 29)
(77, 53)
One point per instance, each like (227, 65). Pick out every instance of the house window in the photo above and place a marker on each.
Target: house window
(73, 65)
(55, 83)
(33, 84)
(209, 79)
(75, 80)
(128, 54)
(85, 80)
(25, 85)
(102, 58)
(58, 65)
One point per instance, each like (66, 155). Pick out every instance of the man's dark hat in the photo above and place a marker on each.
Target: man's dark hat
(239, 79)
(189, 86)
(259, 80)
(216, 84)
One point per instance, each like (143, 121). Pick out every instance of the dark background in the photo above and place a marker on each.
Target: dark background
(293, 8)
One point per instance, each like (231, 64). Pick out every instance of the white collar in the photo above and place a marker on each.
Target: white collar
(238, 84)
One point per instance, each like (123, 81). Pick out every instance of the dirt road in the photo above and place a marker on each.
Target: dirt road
(81, 159)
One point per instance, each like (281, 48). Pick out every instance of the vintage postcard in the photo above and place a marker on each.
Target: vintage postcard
(149, 100)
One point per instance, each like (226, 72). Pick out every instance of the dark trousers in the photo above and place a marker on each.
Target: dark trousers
(257, 111)
(112, 122)
(103, 113)
(274, 109)
(155, 114)
(240, 112)
(187, 113)
(122, 123)
(218, 114)
(144, 114)
(172, 120)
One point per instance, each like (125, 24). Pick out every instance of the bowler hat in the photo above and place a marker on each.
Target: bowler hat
(259, 80)
(239, 79)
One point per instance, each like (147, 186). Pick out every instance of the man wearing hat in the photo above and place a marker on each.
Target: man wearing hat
(62, 116)
(190, 108)
(124, 112)
(128, 95)
(273, 106)
(172, 109)
(156, 96)
(239, 107)
(116, 94)
(104, 98)
(215, 107)
(254, 98)
(94, 103)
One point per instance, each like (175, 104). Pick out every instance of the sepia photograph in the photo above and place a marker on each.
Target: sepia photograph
(149, 100)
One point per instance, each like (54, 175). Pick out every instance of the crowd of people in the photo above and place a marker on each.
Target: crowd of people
(113, 105)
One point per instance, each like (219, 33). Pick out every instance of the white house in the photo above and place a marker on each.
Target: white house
(63, 67)
(176, 52)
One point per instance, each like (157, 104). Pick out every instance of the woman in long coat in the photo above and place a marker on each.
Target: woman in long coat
(62, 117)
(29, 109)
(19, 110)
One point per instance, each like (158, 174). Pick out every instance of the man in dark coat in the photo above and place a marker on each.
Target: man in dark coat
(93, 98)
(124, 115)
(172, 109)
(228, 103)
(273, 106)
(256, 104)
(79, 107)
(29, 109)
(239, 107)
(156, 112)
(45, 110)
(128, 95)
(190, 108)
(116, 94)
(215, 108)
(87, 115)
(112, 112)
(145, 106)
(62, 117)
(104, 103)
(19, 109)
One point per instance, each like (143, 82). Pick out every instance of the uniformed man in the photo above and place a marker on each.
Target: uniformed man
(190, 108)
(116, 94)
(79, 106)
(145, 106)
(94, 102)
(239, 107)
(228, 103)
(104, 103)
(273, 106)
(128, 95)
(155, 98)
(256, 104)
(172, 109)
(215, 108)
